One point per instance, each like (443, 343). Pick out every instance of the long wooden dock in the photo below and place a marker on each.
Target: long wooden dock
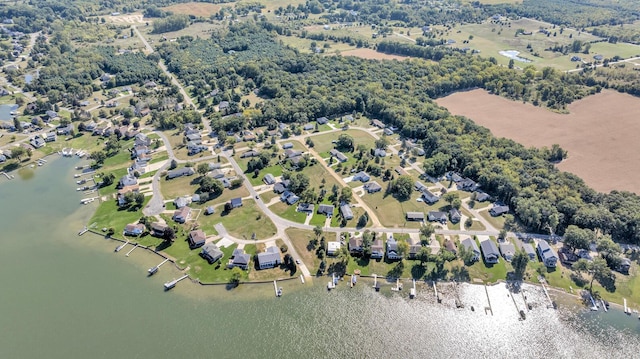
(171, 284)
(132, 249)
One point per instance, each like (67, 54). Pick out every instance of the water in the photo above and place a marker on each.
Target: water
(5, 112)
(64, 296)
(28, 78)
(513, 54)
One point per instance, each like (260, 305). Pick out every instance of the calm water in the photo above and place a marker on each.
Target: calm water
(64, 296)
(5, 112)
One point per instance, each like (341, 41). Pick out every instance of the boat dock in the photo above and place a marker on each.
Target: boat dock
(594, 305)
(302, 278)
(6, 175)
(626, 309)
(435, 290)
(376, 285)
(604, 305)
(398, 286)
(278, 291)
(119, 248)
(88, 200)
(354, 279)
(171, 284)
(83, 231)
(412, 292)
(332, 283)
(488, 301)
(129, 252)
(153, 270)
(546, 293)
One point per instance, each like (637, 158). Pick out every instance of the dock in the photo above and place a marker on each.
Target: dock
(277, 290)
(132, 249)
(332, 283)
(435, 290)
(119, 248)
(488, 301)
(302, 278)
(6, 175)
(626, 309)
(88, 200)
(354, 279)
(594, 305)
(83, 231)
(604, 305)
(171, 284)
(398, 286)
(376, 285)
(546, 292)
(412, 292)
(153, 270)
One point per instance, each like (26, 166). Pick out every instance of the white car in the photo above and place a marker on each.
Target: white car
(297, 261)
(419, 199)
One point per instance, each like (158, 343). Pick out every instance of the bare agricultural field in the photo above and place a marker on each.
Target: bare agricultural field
(600, 132)
(127, 19)
(372, 54)
(194, 8)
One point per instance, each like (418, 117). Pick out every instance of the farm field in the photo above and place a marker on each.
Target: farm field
(194, 8)
(372, 54)
(597, 144)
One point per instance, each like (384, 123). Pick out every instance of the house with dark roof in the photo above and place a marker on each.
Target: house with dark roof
(306, 207)
(338, 155)
(419, 186)
(392, 249)
(236, 202)
(428, 197)
(437, 216)
(346, 212)
(361, 176)
(498, 210)
(508, 250)
(415, 216)
(250, 153)
(182, 214)
(134, 229)
(467, 185)
(451, 246)
(379, 152)
(211, 253)
(454, 215)
(325, 209)
(309, 127)
(269, 258)
(470, 245)
(372, 187)
(528, 249)
(378, 124)
(37, 142)
(281, 186)
(289, 197)
(355, 245)
(322, 120)
(287, 145)
(179, 172)
(196, 238)
(547, 254)
(128, 180)
(158, 229)
(490, 251)
(481, 196)
(239, 259)
(377, 249)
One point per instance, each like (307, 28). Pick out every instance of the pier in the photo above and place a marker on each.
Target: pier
(412, 292)
(119, 248)
(604, 305)
(302, 278)
(129, 252)
(376, 285)
(88, 200)
(488, 301)
(6, 175)
(153, 270)
(277, 290)
(626, 309)
(398, 286)
(171, 284)
(83, 231)
(332, 283)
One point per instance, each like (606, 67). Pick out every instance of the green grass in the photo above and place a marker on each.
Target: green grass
(496, 222)
(288, 212)
(319, 219)
(8, 138)
(108, 215)
(300, 239)
(391, 212)
(159, 157)
(323, 142)
(244, 221)
(176, 187)
(275, 170)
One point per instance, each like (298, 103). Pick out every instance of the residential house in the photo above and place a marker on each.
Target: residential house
(414, 247)
(325, 209)
(140, 150)
(290, 153)
(223, 105)
(379, 152)
(624, 266)
(453, 176)
(196, 238)
(454, 215)
(182, 214)
(37, 142)
(289, 197)
(217, 174)
(362, 177)
(50, 137)
(392, 249)
(528, 249)
(196, 138)
(322, 120)
(345, 211)
(239, 259)
(437, 216)
(194, 148)
(470, 245)
(142, 140)
(209, 210)
(250, 153)
(377, 249)
(415, 216)
(52, 114)
(508, 250)
(269, 179)
(226, 183)
(355, 245)
(547, 254)
(281, 186)
(65, 130)
(372, 187)
(451, 246)
(401, 171)
(490, 251)
(134, 229)
(419, 186)
(333, 248)
(185, 171)
(287, 145)
(418, 151)
(498, 210)
(481, 196)
(467, 185)
(236, 202)
(428, 197)
(378, 124)
(128, 180)
(158, 229)
(309, 127)
(387, 131)
(195, 198)
(269, 258)
(338, 155)
(211, 253)
(3, 158)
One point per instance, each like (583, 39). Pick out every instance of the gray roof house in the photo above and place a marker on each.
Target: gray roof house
(372, 187)
(392, 249)
(437, 216)
(239, 259)
(287, 145)
(196, 238)
(128, 180)
(378, 152)
(182, 214)
(482, 196)
(355, 245)
(470, 245)
(185, 171)
(429, 197)
(306, 207)
(345, 211)
(454, 215)
(377, 249)
(322, 120)
(269, 258)
(499, 210)
(339, 155)
(211, 252)
(528, 248)
(508, 250)
(325, 209)
(269, 179)
(547, 254)
(415, 216)
(490, 251)
(361, 176)
(281, 186)
(419, 186)
(236, 202)
(181, 202)
(250, 153)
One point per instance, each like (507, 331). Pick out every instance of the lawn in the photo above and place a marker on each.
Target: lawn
(496, 222)
(489, 273)
(108, 215)
(323, 141)
(176, 187)
(391, 212)
(275, 170)
(300, 239)
(6, 138)
(288, 212)
(244, 221)
(476, 226)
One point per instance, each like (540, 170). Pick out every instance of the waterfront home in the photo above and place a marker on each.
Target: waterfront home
(345, 211)
(470, 245)
(325, 209)
(454, 215)
(338, 155)
(182, 214)
(211, 253)
(333, 248)
(624, 266)
(355, 245)
(128, 180)
(269, 179)
(415, 216)
(450, 246)
(134, 229)
(490, 251)
(158, 229)
(414, 247)
(196, 238)
(437, 216)
(37, 142)
(269, 258)
(547, 255)
(362, 177)
(428, 197)
(305, 207)
(498, 210)
(508, 250)
(372, 187)
(185, 171)
(392, 249)
(239, 259)
(528, 249)
(377, 249)
(50, 137)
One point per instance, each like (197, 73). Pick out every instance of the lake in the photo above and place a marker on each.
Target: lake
(65, 296)
(5, 112)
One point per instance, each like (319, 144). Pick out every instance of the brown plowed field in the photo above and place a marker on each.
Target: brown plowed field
(601, 132)
(372, 54)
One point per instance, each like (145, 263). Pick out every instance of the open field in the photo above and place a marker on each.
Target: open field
(202, 9)
(127, 19)
(323, 142)
(372, 54)
(598, 145)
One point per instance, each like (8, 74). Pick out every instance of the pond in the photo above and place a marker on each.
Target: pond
(6, 110)
(513, 54)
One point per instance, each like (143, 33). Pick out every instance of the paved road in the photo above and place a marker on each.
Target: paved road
(609, 64)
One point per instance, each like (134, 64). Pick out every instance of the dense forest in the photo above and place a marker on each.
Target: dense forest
(300, 88)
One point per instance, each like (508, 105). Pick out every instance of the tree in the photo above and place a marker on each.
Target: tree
(202, 169)
(317, 230)
(138, 198)
(362, 221)
(424, 254)
(426, 230)
(18, 152)
(344, 143)
(173, 164)
(298, 183)
(345, 195)
(578, 238)
(450, 197)
(403, 187)
(211, 185)
(597, 268)
(403, 248)
(236, 275)
(107, 180)
(609, 250)
(169, 234)
(519, 263)
(382, 143)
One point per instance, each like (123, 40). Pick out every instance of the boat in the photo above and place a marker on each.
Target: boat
(87, 200)
(119, 248)
(169, 285)
(82, 181)
(280, 292)
(354, 280)
(152, 271)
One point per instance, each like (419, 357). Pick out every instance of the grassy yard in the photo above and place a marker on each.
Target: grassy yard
(177, 187)
(391, 212)
(300, 239)
(7, 138)
(108, 215)
(496, 222)
(323, 142)
(243, 222)
(288, 212)
(275, 170)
